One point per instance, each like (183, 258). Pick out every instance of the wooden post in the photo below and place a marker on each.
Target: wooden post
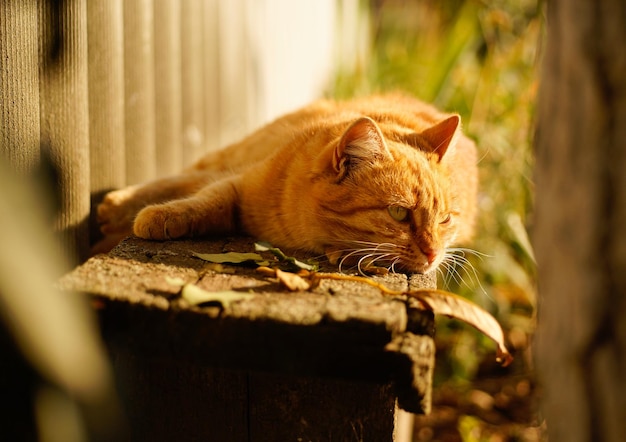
(580, 235)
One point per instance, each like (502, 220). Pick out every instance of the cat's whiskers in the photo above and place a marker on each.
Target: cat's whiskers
(353, 253)
(449, 272)
(371, 253)
(371, 259)
(392, 268)
(452, 263)
(455, 259)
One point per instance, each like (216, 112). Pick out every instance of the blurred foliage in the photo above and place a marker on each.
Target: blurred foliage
(480, 59)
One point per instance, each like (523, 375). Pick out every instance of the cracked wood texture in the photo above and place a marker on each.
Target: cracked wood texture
(329, 364)
(580, 235)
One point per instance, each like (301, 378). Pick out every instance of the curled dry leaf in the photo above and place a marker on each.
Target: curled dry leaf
(441, 303)
(292, 281)
(449, 304)
(267, 271)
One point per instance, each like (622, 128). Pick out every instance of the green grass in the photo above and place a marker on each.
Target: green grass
(480, 59)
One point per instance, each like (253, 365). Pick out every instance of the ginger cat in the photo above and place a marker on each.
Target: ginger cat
(386, 178)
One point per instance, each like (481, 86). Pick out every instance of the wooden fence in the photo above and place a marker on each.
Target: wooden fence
(123, 91)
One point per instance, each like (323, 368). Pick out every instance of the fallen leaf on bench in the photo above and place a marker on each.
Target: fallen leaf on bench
(441, 303)
(232, 258)
(219, 268)
(266, 247)
(194, 295)
(177, 282)
(454, 306)
(292, 281)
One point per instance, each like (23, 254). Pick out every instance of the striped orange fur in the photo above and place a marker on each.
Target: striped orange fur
(386, 177)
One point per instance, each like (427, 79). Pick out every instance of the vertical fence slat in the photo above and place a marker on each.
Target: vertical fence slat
(139, 90)
(167, 38)
(19, 84)
(64, 107)
(193, 83)
(167, 79)
(235, 97)
(210, 57)
(106, 94)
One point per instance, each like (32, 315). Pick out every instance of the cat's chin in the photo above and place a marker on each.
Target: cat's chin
(421, 268)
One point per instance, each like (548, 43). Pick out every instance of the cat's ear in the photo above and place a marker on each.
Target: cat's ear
(442, 135)
(362, 142)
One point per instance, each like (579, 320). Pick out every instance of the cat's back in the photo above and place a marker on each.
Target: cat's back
(275, 136)
(325, 119)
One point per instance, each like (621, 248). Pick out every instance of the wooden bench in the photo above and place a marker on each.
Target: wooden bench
(330, 364)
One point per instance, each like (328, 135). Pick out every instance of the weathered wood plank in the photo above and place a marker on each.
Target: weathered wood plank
(286, 408)
(343, 344)
(172, 400)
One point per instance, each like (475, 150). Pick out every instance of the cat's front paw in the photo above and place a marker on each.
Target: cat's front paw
(161, 222)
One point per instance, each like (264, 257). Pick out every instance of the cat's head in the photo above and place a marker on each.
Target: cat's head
(388, 198)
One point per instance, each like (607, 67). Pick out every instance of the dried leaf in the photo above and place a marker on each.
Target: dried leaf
(194, 295)
(232, 258)
(266, 247)
(267, 271)
(367, 266)
(439, 301)
(219, 268)
(375, 270)
(449, 304)
(292, 281)
(177, 282)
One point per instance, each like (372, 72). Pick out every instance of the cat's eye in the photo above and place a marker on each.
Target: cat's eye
(398, 213)
(446, 219)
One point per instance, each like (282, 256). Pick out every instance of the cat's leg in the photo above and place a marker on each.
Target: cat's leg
(212, 210)
(118, 209)
(116, 213)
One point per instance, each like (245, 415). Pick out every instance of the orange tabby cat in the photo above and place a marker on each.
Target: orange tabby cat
(386, 177)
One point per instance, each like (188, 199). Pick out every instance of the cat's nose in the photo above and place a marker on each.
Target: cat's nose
(431, 257)
(430, 254)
